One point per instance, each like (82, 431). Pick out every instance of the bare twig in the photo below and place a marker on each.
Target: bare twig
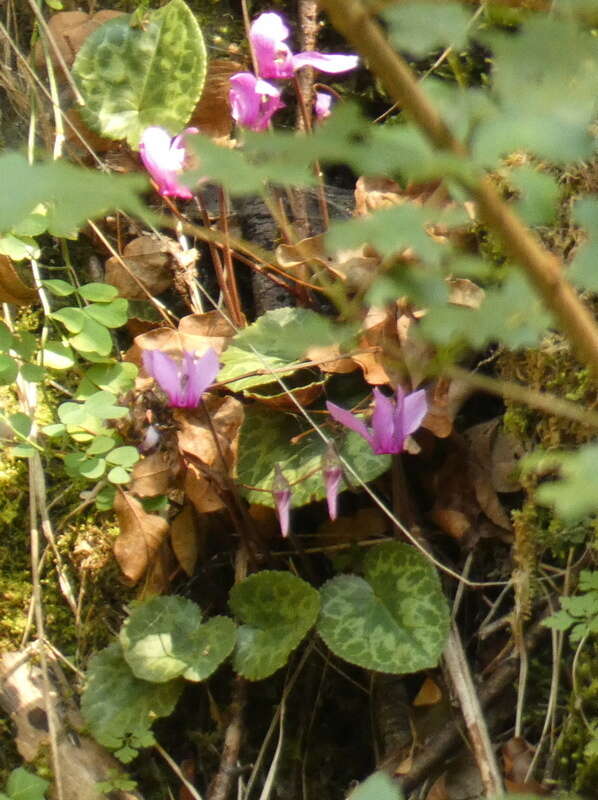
(543, 269)
(462, 681)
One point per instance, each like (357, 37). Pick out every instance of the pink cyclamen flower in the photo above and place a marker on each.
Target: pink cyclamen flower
(253, 101)
(392, 421)
(331, 467)
(164, 159)
(184, 382)
(323, 105)
(281, 489)
(268, 35)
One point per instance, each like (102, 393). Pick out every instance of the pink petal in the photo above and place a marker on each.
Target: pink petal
(387, 439)
(253, 101)
(281, 489)
(414, 409)
(325, 62)
(323, 105)
(201, 374)
(165, 371)
(349, 421)
(268, 35)
(164, 158)
(332, 479)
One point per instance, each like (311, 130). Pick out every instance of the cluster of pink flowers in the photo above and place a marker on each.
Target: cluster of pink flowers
(253, 100)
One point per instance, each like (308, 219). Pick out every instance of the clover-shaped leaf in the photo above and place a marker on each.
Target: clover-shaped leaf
(395, 620)
(277, 609)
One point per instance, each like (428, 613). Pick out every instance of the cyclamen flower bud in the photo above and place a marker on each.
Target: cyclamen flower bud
(281, 489)
(331, 467)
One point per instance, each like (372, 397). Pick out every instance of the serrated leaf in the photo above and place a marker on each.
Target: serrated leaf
(574, 494)
(58, 356)
(276, 342)
(512, 314)
(116, 704)
(135, 77)
(268, 438)
(378, 786)
(92, 338)
(72, 194)
(24, 785)
(277, 609)
(59, 288)
(112, 314)
(394, 620)
(164, 638)
(98, 292)
(9, 370)
(422, 27)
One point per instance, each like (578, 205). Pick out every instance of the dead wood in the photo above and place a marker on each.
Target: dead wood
(83, 762)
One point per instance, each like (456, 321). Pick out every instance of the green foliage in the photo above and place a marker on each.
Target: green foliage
(379, 786)
(275, 344)
(71, 195)
(268, 438)
(511, 313)
(422, 27)
(544, 105)
(394, 620)
(133, 75)
(583, 272)
(120, 708)
(24, 785)
(574, 494)
(277, 609)
(578, 614)
(164, 638)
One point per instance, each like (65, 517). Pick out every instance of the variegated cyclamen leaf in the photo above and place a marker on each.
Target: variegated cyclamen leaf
(395, 620)
(133, 76)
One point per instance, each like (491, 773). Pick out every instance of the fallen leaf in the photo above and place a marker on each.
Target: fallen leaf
(416, 352)
(147, 258)
(185, 539)
(141, 535)
(69, 29)
(372, 194)
(329, 359)
(196, 332)
(451, 521)
(438, 789)
(160, 573)
(206, 471)
(379, 334)
(12, 288)
(154, 474)
(463, 292)
(212, 114)
(429, 694)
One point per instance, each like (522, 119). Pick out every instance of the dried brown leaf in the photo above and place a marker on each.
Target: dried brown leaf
(147, 258)
(463, 292)
(12, 288)
(160, 572)
(196, 332)
(212, 114)
(69, 29)
(185, 539)
(155, 474)
(141, 535)
(329, 359)
(429, 694)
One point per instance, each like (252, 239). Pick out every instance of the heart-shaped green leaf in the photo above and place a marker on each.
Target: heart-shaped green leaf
(135, 76)
(164, 638)
(278, 609)
(117, 705)
(396, 620)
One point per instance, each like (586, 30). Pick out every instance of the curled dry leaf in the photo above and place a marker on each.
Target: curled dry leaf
(463, 292)
(330, 359)
(373, 194)
(429, 694)
(379, 336)
(357, 267)
(69, 29)
(155, 474)
(12, 288)
(196, 333)
(141, 535)
(282, 401)
(206, 471)
(185, 538)
(147, 258)
(212, 114)
(160, 572)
